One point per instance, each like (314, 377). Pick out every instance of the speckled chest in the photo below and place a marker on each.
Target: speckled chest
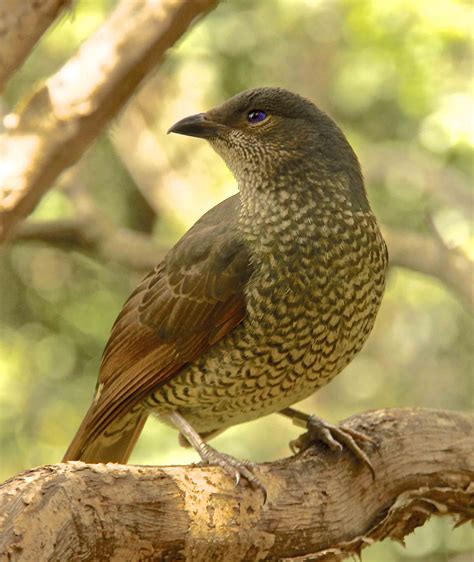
(311, 303)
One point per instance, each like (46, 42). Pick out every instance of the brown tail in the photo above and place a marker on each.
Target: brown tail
(114, 445)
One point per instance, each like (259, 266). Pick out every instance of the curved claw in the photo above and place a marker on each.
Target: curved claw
(335, 438)
(358, 435)
(235, 467)
(326, 436)
(293, 444)
(348, 439)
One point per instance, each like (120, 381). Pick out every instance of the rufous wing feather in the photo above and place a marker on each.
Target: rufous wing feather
(193, 298)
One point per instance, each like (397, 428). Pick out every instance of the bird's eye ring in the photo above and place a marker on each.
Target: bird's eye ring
(256, 116)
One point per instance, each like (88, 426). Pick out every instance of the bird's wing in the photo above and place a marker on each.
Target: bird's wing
(193, 298)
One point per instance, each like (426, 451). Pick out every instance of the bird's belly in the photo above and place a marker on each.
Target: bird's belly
(309, 309)
(272, 365)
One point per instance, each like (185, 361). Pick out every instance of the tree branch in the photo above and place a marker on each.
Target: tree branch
(96, 236)
(429, 256)
(21, 26)
(319, 504)
(110, 244)
(64, 115)
(384, 163)
(148, 173)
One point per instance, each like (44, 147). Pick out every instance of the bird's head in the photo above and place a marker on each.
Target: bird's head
(273, 133)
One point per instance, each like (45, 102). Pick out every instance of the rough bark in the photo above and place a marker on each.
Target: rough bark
(22, 23)
(320, 506)
(63, 116)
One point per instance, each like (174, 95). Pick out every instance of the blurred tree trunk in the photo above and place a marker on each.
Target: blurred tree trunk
(319, 505)
(22, 23)
(92, 234)
(64, 115)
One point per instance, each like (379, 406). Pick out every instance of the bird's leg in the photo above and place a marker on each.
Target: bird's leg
(235, 467)
(333, 436)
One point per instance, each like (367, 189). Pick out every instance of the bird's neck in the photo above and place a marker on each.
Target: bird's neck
(296, 207)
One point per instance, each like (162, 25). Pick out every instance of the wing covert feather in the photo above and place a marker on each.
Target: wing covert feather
(194, 297)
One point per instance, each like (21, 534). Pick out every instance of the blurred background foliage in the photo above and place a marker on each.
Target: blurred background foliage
(395, 74)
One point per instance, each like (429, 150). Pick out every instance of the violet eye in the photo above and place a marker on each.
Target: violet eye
(256, 116)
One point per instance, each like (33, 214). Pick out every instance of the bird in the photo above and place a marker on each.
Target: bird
(264, 300)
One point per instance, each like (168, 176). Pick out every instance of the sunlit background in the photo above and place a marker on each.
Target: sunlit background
(396, 75)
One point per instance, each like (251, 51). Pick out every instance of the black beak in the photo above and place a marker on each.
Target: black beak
(196, 126)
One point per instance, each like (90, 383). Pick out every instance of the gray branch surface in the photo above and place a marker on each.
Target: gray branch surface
(63, 116)
(22, 23)
(321, 506)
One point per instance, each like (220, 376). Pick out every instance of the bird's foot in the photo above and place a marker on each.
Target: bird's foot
(234, 467)
(336, 438)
